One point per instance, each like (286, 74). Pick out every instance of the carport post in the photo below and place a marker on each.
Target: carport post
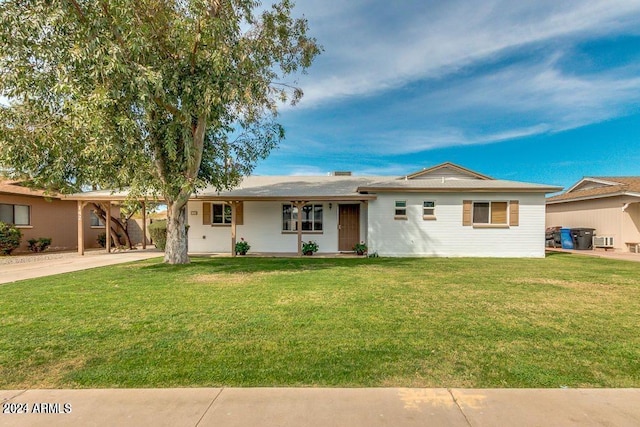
(144, 225)
(108, 227)
(80, 228)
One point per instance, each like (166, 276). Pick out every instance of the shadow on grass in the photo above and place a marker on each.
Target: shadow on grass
(260, 265)
(428, 265)
(550, 254)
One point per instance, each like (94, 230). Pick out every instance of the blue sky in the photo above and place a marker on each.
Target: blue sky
(540, 91)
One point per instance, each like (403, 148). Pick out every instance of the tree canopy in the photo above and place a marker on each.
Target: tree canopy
(164, 96)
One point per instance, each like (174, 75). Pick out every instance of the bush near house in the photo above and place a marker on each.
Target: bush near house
(40, 244)
(242, 247)
(10, 238)
(310, 247)
(158, 232)
(102, 240)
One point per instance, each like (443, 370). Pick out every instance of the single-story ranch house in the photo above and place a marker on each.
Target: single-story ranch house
(445, 210)
(610, 205)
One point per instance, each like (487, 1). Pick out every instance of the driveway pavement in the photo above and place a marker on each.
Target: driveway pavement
(624, 256)
(31, 266)
(299, 407)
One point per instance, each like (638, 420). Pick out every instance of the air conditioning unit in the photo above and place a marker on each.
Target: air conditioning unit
(602, 241)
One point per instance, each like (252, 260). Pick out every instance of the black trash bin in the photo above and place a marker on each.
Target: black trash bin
(583, 238)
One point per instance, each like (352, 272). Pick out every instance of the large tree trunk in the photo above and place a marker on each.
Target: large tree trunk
(176, 248)
(117, 227)
(175, 251)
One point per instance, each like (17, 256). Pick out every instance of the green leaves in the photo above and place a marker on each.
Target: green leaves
(101, 82)
(145, 94)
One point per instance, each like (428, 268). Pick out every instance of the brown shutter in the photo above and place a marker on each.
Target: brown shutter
(466, 212)
(514, 213)
(498, 212)
(240, 213)
(206, 213)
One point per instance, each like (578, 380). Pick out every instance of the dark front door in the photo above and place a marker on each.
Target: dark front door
(348, 227)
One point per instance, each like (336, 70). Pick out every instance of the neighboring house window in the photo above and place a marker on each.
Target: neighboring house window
(311, 218)
(221, 214)
(490, 213)
(95, 220)
(428, 209)
(15, 214)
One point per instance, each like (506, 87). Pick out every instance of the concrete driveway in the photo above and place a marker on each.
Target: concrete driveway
(19, 267)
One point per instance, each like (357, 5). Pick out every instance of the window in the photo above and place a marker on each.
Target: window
(428, 209)
(401, 209)
(221, 214)
(311, 218)
(15, 214)
(95, 220)
(490, 213)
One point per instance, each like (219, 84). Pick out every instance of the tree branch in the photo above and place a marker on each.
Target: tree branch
(194, 51)
(79, 11)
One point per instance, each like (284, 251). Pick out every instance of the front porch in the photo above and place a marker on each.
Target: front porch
(276, 226)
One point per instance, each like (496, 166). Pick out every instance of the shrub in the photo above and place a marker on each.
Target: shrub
(310, 247)
(40, 244)
(360, 248)
(158, 233)
(102, 239)
(10, 238)
(242, 247)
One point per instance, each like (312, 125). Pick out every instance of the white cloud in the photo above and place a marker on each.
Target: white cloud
(408, 142)
(368, 51)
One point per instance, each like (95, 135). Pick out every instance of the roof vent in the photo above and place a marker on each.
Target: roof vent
(341, 173)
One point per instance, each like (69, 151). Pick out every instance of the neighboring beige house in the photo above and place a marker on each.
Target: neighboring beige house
(611, 205)
(38, 214)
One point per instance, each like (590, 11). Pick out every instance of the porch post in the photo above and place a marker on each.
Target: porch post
(234, 211)
(80, 229)
(144, 225)
(108, 226)
(299, 206)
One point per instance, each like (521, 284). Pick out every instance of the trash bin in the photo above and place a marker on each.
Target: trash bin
(566, 238)
(552, 237)
(583, 238)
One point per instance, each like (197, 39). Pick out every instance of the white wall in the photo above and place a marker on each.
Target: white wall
(262, 229)
(446, 236)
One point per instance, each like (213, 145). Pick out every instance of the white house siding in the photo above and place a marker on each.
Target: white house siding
(262, 228)
(446, 236)
(605, 215)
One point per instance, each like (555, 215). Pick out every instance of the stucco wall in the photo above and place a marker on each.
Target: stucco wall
(262, 228)
(446, 236)
(57, 219)
(605, 215)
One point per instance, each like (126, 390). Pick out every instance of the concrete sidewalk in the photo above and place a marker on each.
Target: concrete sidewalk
(32, 266)
(297, 407)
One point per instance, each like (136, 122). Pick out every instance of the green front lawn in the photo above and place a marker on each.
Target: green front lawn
(560, 321)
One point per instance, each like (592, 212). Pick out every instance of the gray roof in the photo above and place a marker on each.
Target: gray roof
(454, 184)
(306, 188)
(294, 188)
